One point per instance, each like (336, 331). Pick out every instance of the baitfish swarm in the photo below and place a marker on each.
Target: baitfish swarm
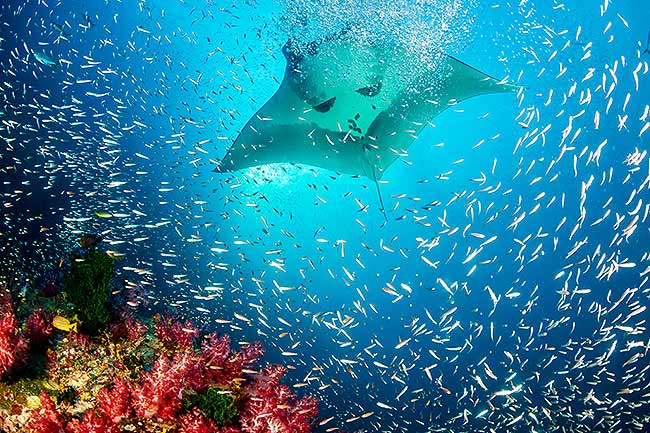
(507, 287)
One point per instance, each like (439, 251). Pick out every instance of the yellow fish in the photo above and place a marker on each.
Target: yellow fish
(60, 322)
(103, 214)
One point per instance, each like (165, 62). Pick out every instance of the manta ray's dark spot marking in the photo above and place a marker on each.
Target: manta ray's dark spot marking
(326, 106)
(370, 91)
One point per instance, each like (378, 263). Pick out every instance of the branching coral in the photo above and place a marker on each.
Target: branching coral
(115, 403)
(224, 366)
(127, 326)
(92, 423)
(195, 422)
(39, 327)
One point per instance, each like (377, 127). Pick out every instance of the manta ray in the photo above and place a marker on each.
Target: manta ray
(352, 107)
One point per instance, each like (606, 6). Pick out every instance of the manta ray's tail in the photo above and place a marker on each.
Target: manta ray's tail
(381, 200)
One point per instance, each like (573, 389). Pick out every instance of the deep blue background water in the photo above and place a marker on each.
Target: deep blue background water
(198, 71)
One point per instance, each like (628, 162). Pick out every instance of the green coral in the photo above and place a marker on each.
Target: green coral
(87, 286)
(218, 406)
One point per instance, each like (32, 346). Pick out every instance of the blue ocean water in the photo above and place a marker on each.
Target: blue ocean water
(506, 288)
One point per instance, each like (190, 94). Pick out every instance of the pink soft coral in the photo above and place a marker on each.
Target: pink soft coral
(128, 327)
(222, 365)
(47, 419)
(175, 335)
(7, 341)
(39, 327)
(115, 404)
(272, 407)
(92, 423)
(195, 422)
(10, 339)
(265, 405)
(242, 360)
(215, 352)
(160, 391)
(230, 429)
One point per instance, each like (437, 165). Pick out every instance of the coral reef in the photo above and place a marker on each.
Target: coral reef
(155, 375)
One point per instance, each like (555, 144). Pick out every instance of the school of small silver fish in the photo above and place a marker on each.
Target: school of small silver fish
(508, 288)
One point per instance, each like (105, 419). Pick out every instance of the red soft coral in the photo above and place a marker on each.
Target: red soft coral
(92, 423)
(13, 347)
(128, 327)
(272, 407)
(175, 335)
(265, 405)
(7, 341)
(82, 341)
(230, 429)
(195, 375)
(8, 331)
(195, 422)
(303, 412)
(39, 327)
(115, 404)
(241, 360)
(222, 365)
(215, 350)
(47, 419)
(160, 391)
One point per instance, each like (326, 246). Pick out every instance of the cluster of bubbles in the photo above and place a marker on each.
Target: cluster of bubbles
(424, 29)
